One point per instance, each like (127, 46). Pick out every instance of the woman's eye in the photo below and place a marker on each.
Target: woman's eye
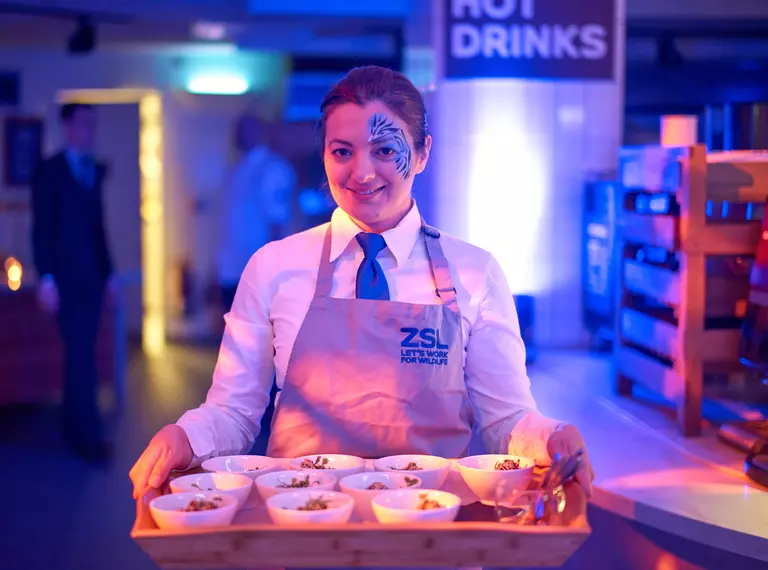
(341, 152)
(386, 151)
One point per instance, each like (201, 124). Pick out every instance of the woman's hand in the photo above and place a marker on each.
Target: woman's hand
(566, 440)
(169, 449)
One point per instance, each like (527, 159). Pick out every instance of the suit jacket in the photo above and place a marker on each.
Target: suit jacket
(68, 237)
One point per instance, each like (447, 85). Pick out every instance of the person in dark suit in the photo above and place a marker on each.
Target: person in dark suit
(73, 262)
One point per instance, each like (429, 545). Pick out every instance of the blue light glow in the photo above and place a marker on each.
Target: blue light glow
(218, 84)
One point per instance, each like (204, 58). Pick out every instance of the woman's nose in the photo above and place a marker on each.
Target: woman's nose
(364, 170)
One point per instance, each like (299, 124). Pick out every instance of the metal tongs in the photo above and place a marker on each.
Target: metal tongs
(562, 470)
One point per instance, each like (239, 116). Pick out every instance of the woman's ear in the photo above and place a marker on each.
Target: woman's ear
(423, 156)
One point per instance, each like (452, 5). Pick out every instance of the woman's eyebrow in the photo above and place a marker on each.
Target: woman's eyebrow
(340, 141)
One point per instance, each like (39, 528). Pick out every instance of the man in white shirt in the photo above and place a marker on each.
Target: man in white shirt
(257, 209)
(256, 204)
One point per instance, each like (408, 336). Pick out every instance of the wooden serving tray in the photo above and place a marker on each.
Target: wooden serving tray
(475, 539)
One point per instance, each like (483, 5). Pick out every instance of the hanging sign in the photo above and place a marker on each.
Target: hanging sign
(531, 39)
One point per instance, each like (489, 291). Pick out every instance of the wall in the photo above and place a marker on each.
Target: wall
(692, 9)
(232, 10)
(197, 133)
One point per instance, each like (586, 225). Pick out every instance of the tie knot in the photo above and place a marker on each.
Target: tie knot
(371, 244)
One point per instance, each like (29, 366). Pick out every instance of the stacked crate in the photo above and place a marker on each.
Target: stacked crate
(688, 226)
(31, 352)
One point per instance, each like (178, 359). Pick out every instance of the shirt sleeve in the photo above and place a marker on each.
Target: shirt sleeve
(229, 420)
(506, 414)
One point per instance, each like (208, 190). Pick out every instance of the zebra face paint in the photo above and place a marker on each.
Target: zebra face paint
(384, 132)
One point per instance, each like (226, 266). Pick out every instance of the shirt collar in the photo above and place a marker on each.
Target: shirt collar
(400, 239)
(255, 152)
(74, 153)
(76, 157)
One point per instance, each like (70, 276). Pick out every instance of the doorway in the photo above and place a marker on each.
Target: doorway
(133, 202)
(117, 145)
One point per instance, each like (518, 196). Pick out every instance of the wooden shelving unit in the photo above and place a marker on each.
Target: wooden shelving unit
(688, 227)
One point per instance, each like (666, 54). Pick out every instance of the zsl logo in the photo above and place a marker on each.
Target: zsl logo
(430, 338)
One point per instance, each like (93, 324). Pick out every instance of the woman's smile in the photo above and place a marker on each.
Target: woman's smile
(366, 192)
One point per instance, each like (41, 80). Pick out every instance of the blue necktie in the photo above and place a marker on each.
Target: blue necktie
(371, 282)
(87, 173)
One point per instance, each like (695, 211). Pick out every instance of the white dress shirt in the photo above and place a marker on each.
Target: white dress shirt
(258, 196)
(273, 298)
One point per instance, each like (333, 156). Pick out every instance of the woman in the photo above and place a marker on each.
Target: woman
(386, 337)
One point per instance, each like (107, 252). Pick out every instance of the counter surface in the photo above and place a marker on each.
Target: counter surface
(646, 470)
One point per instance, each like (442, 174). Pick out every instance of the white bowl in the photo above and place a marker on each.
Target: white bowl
(251, 465)
(272, 483)
(166, 510)
(357, 487)
(433, 470)
(480, 474)
(403, 506)
(236, 484)
(283, 508)
(339, 465)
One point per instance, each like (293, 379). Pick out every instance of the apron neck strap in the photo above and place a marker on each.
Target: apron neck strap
(325, 268)
(437, 262)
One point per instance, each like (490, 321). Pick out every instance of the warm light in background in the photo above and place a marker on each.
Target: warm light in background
(152, 217)
(152, 191)
(509, 183)
(13, 272)
(666, 561)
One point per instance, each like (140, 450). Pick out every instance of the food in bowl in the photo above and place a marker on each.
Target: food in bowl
(340, 465)
(431, 470)
(250, 465)
(485, 475)
(298, 483)
(415, 505)
(318, 463)
(412, 466)
(309, 506)
(237, 484)
(379, 486)
(427, 503)
(286, 481)
(313, 504)
(507, 465)
(362, 487)
(193, 510)
(201, 504)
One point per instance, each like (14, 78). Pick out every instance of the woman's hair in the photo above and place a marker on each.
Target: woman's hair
(373, 83)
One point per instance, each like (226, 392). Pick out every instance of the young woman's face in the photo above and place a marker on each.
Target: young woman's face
(370, 162)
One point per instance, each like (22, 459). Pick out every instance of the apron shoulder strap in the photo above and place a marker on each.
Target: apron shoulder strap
(325, 268)
(440, 270)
